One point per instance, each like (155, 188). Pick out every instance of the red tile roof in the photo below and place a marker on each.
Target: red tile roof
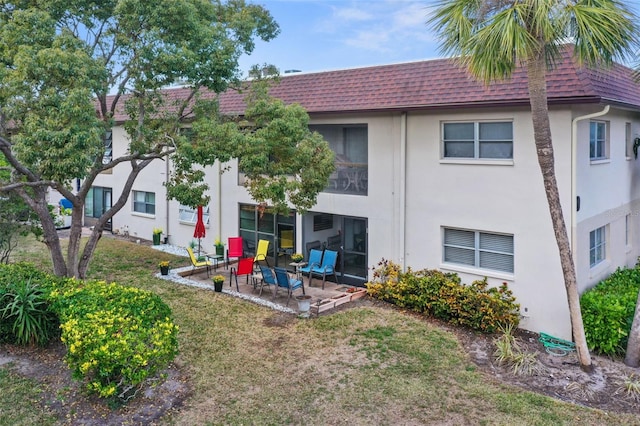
(437, 83)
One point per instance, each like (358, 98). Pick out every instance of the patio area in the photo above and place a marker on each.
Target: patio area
(333, 295)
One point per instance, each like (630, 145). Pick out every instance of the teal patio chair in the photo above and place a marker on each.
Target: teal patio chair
(285, 281)
(326, 267)
(267, 278)
(315, 259)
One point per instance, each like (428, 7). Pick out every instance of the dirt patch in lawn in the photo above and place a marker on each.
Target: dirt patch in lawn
(559, 377)
(65, 398)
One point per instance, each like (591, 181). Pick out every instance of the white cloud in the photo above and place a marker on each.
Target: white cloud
(351, 14)
(412, 16)
(391, 26)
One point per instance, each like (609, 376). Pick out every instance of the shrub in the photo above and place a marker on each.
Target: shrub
(443, 296)
(25, 314)
(116, 336)
(608, 309)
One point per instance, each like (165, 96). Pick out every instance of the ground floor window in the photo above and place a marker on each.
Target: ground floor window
(144, 202)
(478, 249)
(189, 215)
(597, 246)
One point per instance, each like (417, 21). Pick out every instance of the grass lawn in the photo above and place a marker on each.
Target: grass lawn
(251, 365)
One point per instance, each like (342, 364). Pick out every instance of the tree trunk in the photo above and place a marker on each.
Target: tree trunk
(75, 238)
(38, 202)
(632, 358)
(96, 234)
(536, 72)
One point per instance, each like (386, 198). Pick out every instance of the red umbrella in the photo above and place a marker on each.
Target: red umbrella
(200, 231)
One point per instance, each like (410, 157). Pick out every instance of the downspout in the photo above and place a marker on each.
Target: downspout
(574, 172)
(403, 189)
(166, 179)
(219, 201)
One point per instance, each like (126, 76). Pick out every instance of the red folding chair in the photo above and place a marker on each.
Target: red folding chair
(245, 267)
(234, 248)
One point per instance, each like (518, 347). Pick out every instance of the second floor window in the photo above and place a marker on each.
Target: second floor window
(144, 202)
(108, 147)
(479, 140)
(598, 140)
(350, 143)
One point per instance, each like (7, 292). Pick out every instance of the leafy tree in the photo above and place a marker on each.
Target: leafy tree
(60, 59)
(493, 36)
(15, 218)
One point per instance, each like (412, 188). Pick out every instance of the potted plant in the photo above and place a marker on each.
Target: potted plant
(218, 281)
(164, 267)
(219, 247)
(157, 232)
(297, 257)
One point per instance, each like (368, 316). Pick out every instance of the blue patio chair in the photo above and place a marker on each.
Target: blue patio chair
(315, 259)
(267, 278)
(285, 281)
(327, 267)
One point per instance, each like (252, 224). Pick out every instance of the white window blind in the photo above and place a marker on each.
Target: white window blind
(597, 246)
(491, 140)
(479, 249)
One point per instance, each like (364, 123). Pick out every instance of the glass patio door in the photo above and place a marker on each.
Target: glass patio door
(279, 230)
(353, 262)
(97, 202)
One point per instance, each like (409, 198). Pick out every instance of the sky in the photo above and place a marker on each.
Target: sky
(321, 35)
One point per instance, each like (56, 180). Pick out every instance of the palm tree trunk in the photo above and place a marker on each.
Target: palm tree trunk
(536, 71)
(632, 357)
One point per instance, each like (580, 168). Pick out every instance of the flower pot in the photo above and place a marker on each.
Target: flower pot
(304, 305)
(220, 250)
(217, 286)
(156, 239)
(164, 270)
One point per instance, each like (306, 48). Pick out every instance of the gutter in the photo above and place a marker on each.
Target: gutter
(574, 172)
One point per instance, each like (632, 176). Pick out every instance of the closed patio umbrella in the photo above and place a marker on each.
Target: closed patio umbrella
(200, 231)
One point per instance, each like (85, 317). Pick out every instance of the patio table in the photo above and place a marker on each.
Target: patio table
(215, 258)
(298, 265)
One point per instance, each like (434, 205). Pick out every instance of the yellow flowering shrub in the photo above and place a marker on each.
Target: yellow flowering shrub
(116, 336)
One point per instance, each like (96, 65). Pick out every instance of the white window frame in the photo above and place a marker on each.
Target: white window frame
(107, 157)
(476, 140)
(628, 141)
(477, 250)
(599, 143)
(188, 215)
(135, 202)
(597, 246)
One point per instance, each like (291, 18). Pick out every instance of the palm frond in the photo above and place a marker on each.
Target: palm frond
(493, 36)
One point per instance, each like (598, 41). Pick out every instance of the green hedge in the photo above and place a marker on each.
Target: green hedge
(608, 309)
(443, 296)
(116, 336)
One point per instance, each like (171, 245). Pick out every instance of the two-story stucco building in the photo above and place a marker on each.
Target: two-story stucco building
(434, 170)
